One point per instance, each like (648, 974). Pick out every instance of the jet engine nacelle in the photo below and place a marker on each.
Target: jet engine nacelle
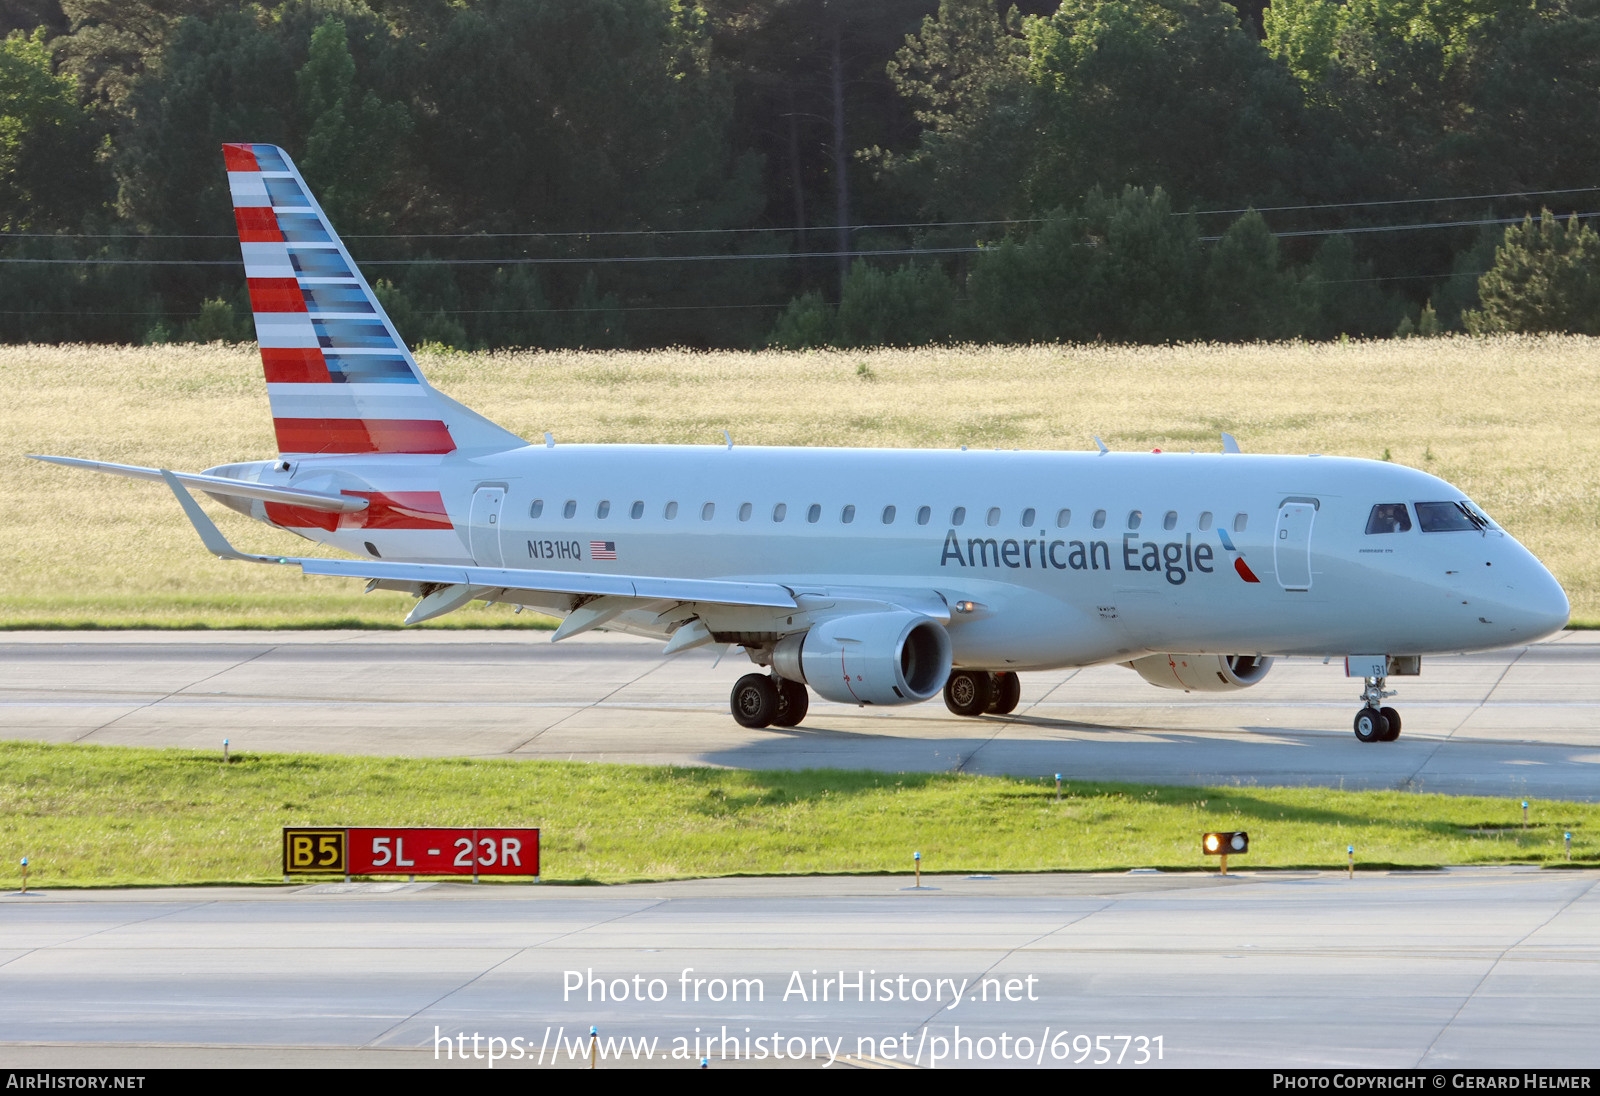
(1201, 673)
(868, 658)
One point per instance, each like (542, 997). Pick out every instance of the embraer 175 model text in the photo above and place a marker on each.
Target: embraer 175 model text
(870, 576)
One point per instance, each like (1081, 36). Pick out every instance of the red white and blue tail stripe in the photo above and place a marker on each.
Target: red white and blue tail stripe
(339, 376)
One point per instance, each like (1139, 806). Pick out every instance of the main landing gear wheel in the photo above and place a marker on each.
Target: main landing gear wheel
(793, 702)
(1007, 693)
(1371, 726)
(968, 692)
(754, 701)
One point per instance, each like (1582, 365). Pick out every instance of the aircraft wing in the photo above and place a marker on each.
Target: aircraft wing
(644, 587)
(446, 586)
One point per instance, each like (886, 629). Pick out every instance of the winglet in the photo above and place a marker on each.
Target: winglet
(1101, 445)
(215, 542)
(1229, 443)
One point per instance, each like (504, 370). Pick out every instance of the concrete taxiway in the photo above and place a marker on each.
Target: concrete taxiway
(1520, 722)
(1456, 969)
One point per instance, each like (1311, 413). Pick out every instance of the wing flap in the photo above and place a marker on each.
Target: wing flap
(643, 587)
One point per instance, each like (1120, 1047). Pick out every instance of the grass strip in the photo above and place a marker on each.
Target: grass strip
(121, 816)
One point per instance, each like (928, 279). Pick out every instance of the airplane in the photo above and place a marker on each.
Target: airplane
(869, 576)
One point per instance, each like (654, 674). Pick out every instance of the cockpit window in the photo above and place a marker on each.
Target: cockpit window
(1389, 517)
(1449, 517)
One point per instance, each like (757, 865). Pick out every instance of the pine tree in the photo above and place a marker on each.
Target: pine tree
(1545, 278)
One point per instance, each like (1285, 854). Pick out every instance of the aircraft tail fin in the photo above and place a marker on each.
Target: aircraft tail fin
(340, 378)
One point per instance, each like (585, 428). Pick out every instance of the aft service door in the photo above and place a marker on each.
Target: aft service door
(485, 525)
(1291, 546)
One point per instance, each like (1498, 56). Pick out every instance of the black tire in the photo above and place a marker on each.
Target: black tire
(1394, 723)
(793, 703)
(754, 701)
(967, 692)
(1370, 725)
(1007, 693)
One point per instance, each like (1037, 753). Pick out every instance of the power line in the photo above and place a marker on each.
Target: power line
(522, 260)
(1363, 229)
(588, 233)
(1400, 201)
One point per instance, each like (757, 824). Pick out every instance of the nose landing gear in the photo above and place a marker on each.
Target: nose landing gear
(1375, 724)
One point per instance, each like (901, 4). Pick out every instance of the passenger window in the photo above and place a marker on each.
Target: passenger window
(1027, 518)
(707, 510)
(1135, 517)
(924, 515)
(1390, 517)
(780, 511)
(1063, 518)
(604, 509)
(958, 515)
(1240, 521)
(1099, 519)
(570, 508)
(1205, 520)
(745, 510)
(536, 509)
(671, 511)
(638, 509)
(1170, 522)
(994, 515)
(848, 514)
(814, 514)
(888, 515)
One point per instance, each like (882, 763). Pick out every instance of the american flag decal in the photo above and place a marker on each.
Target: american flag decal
(602, 549)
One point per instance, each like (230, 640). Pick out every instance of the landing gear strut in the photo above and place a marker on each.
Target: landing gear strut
(979, 692)
(1375, 724)
(760, 700)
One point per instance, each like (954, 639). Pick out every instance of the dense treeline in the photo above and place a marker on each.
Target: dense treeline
(801, 172)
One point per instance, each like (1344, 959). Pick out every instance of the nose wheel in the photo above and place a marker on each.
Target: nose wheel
(1374, 723)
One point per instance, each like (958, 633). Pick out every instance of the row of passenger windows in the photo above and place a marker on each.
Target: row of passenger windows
(924, 515)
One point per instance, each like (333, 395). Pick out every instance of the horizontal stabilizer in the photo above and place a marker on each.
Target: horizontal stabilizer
(222, 485)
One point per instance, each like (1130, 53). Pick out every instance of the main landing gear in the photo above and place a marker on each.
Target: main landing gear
(762, 700)
(979, 692)
(1375, 724)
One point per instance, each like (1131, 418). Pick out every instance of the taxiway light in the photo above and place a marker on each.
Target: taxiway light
(1225, 844)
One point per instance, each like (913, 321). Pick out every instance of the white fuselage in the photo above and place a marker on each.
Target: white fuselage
(1067, 558)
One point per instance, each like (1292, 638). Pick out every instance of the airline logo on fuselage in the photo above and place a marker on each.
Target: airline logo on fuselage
(1175, 560)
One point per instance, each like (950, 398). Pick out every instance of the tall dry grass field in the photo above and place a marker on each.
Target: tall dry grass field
(1515, 422)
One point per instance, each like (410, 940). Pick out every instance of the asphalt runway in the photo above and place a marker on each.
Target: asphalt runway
(1434, 970)
(1524, 722)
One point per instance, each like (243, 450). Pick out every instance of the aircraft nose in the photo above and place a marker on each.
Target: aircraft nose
(1534, 604)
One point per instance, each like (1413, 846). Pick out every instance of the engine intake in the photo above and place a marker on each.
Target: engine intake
(868, 658)
(1201, 673)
